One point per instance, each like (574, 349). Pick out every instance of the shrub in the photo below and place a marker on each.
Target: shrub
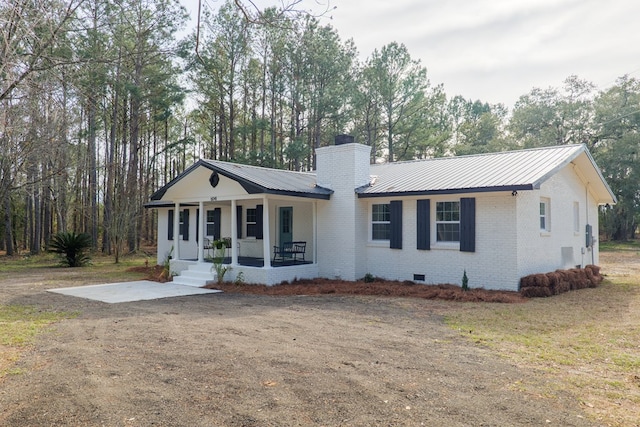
(72, 247)
(220, 248)
(369, 278)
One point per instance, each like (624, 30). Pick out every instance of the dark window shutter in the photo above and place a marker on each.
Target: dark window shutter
(423, 226)
(395, 211)
(259, 228)
(170, 227)
(185, 229)
(239, 222)
(197, 224)
(468, 224)
(217, 217)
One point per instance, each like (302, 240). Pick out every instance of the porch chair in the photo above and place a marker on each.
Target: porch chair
(289, 251)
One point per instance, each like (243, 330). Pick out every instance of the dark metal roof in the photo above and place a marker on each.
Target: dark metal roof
(259, 180)
(503, 171)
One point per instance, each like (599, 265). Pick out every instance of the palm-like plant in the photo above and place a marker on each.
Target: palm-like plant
(73, 248)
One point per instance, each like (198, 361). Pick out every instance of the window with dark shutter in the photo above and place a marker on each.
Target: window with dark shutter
(395, 208)
(170, 225)
(259, 228)
(468, 224)
(239, 222)
(423, 224)
(217, 216)
(251, 222)
(448, 221)
(380, 222)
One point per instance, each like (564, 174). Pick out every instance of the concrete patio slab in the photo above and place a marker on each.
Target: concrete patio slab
(132, 291)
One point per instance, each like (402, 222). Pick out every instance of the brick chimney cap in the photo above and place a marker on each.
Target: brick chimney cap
(344, 139)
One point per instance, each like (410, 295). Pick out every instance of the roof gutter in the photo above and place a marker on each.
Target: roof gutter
(511, 188)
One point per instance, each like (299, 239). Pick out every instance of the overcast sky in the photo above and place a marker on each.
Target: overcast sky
(495, 50)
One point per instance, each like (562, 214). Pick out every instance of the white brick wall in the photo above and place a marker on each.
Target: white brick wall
(541, 251)
(257, 275)
(274, 275)
(509, 243)
(491, 266)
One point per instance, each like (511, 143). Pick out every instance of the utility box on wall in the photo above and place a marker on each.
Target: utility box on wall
(588, 236)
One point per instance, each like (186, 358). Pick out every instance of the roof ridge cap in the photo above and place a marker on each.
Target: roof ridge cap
(493, 153)
(212, 161)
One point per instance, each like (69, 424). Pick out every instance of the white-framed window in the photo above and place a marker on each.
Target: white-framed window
(210, 223)
(181, 220)
(380, 222)
(448, 221)
(545, 220)
(251, 222)
(576, 217)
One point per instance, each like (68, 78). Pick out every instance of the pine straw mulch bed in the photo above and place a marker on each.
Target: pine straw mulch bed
(379, 287)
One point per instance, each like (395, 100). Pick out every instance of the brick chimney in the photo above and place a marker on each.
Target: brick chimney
(342, 167)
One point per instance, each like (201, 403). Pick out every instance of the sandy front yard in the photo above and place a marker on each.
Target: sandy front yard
(256, 360)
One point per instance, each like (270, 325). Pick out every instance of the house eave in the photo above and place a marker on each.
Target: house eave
(321, 196)
(511, 188)
(155, 204)
(604, 196)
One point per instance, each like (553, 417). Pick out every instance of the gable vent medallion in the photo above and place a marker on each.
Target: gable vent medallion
(214, 179)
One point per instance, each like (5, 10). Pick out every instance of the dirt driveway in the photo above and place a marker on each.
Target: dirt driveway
(246, 360)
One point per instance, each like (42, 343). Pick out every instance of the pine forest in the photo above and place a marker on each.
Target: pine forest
(104, 101)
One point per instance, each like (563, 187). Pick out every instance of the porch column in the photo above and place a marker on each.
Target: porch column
(201, 232)
(266, 233)
(234, 233)
(176, 231)
(315, 231)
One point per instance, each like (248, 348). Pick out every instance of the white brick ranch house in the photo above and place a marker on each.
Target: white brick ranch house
(497, 216)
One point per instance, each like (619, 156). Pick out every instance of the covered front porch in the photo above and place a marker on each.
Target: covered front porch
(257, 238)
(267, 219)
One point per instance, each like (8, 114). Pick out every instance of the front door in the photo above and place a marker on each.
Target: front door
(286, 224)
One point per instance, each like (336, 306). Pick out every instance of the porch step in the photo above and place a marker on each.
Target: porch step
(196, 275)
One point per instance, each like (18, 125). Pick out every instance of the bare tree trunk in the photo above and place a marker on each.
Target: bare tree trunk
(92, 172)
(46, 206)
(110, 158)
(134, 147)
(8, 226)
(60, 180)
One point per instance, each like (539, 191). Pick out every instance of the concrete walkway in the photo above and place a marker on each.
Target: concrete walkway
(132, 291)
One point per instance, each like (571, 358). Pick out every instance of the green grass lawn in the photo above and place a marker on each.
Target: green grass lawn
(586, 342)
(609, 246)
(20, 325)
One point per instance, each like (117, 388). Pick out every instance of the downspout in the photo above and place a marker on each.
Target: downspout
(586, 195)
